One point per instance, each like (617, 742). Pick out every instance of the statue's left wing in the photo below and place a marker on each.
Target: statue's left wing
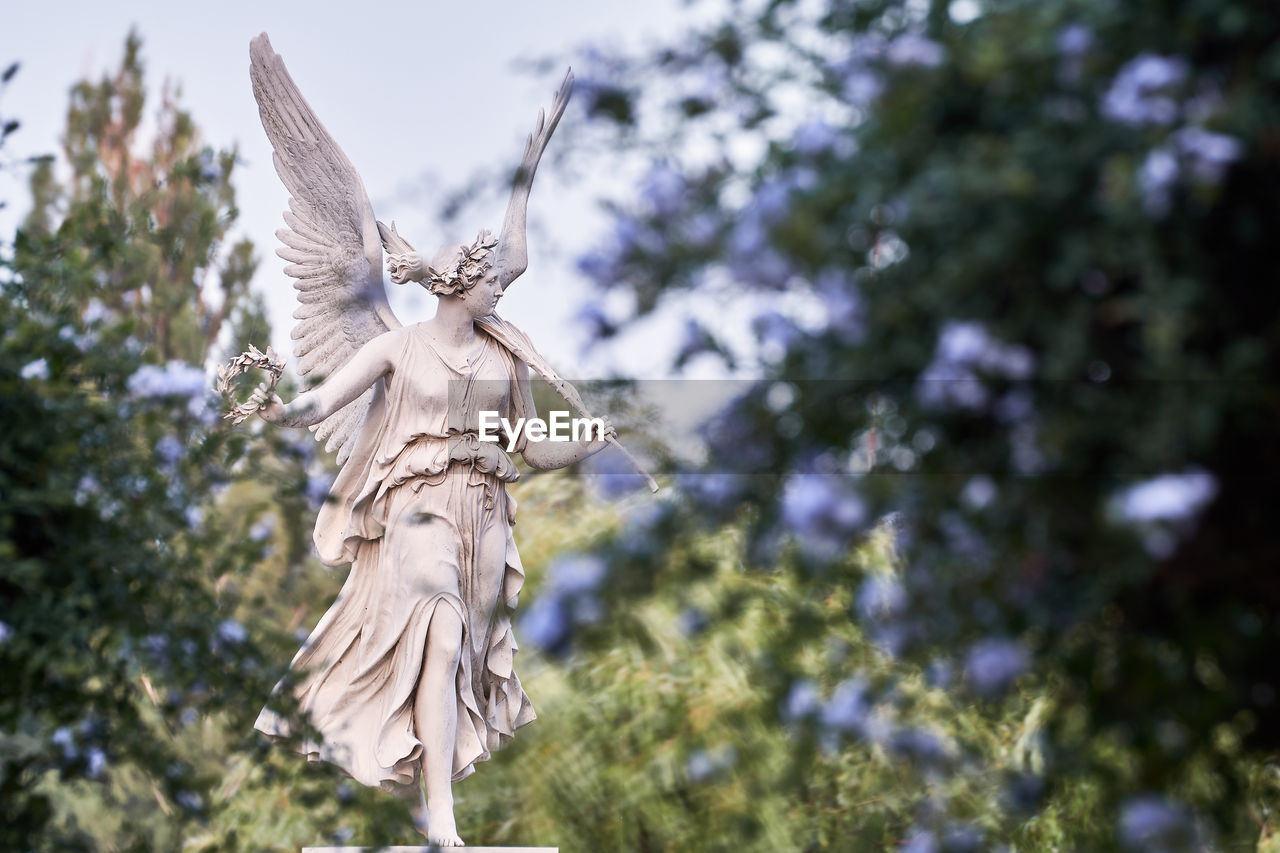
(331, 241)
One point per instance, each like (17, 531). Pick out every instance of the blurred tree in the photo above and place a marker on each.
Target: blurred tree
(132, 655)
(1009, 261)
(175, 200)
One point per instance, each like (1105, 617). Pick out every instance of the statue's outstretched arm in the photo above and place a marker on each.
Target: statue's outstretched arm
(513, 255)
(549, 455)
(370, 363)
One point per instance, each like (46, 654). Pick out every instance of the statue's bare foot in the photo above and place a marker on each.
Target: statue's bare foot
(438, 827)
(441, 830)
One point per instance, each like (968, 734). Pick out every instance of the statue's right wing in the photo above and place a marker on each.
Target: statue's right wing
(331, 241)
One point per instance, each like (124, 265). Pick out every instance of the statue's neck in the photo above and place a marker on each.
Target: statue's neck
(452, 324)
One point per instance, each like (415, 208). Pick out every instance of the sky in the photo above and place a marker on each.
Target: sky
(420, 96)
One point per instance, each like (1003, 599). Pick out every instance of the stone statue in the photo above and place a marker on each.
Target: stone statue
(409, 676)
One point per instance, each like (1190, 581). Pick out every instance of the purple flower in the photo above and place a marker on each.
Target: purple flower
(592, 315)
(881, 597)
(546, 624)
(801, 702)
(992, 665)
(846, 313)
(577, 574)
(910, 49)
(847, 709)
(664, 190)
(823, 512)
(1074, 39)
(773, 328)
(97, 761)
(703, 764)
(317, 489)
(920, 841)
(918, 744)
(1153, 823)
(169, 450)
(38, 369)
(263, 529)
(611, 476)
(231, 631)
(1138, 96)
(176, 379)
(1208, 153)
(695, 341)
(1169, 497)
(813, 138)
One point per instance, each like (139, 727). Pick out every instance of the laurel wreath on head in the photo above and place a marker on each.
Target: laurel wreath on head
(245, 361)
(472, 262)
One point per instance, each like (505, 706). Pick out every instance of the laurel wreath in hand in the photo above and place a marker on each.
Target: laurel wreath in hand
(252, 358)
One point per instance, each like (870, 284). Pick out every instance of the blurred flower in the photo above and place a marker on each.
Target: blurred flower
(1208, 153)
(992, 665)
(38, 369)
(169, 450)
(176, 379)
(231, 631)
(611, 476)
(695, 341)
(189, 801)
(317, 489)
(597, 322)
(703, 765)
(95, 312)
(938, 673)
(979, 492)
(1169, 497)
(663, 189)
(263, 528)
(963, 839)
(920, 841)
(576, 574)
(823, 512)
(842, 300)
(847, 709)
(1137, 94)
(813, 137)
(1074, 39)
(910, 49)
(880, 597)
(718, 493)
(775, 329)
(5, 632)
(963, 345)
(97, 762)
(1206, 156)
(692, 621)
(801, 702)
(546, 624)
(1155, 824)
(918, 744)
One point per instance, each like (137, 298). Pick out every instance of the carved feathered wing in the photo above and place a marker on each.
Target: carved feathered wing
(332, 241)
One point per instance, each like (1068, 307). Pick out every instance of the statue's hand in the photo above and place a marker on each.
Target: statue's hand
(610, 431)
(406, 267)
(270, 406)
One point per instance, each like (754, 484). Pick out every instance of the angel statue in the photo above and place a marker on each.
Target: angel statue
(408, 676)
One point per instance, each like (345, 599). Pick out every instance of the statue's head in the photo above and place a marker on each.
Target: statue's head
(458, 267)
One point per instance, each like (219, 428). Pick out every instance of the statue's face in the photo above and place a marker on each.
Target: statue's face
(482, 298)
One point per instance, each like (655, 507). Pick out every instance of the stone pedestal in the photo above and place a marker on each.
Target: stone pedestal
(414, 848)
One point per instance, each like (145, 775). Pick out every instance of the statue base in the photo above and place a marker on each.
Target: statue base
(430, 848)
